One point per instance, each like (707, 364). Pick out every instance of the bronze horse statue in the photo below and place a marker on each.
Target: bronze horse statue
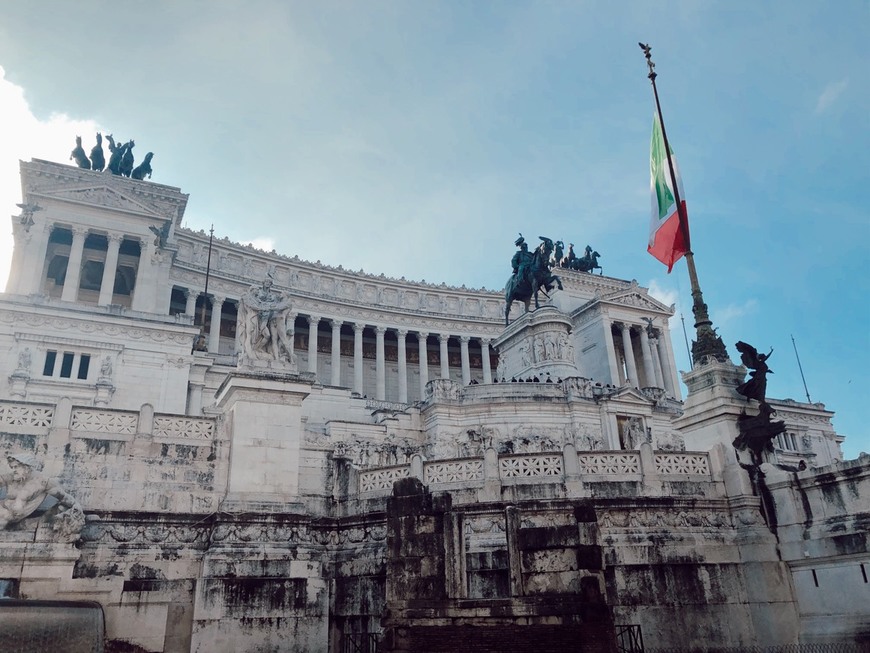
(81, 159)
(143, 168)
(126, 166)
(537, 277)
(98, 159)
(117, 151)
(587, 263)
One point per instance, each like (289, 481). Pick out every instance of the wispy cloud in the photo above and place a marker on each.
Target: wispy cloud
(830, 95)
(728, 315)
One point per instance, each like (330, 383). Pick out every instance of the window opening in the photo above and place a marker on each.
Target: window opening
(50, 358)
(66, 365)
(84, 365)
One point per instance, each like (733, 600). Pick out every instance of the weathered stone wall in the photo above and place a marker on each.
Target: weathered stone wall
(823, 525)
(121, 460)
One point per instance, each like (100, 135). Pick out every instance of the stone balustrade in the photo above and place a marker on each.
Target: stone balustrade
(579, 474)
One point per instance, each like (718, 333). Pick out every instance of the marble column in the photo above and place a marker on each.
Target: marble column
(336, 352)
(143, 275)
(466, 363)
(656, 361)
(380, 364)
(313, 323)
(672, 384)
(74, 265)
(403, 367)
(358, 358)
(190, 295)
(31, 244)
(484, 355)
(214, 333)
(630, 364)
(110, 268)
(445, 362)
(648, 370)
(424, 362)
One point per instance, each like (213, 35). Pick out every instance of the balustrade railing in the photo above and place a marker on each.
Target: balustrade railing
(104, 421)
(188, 428)
(530, 466)
(382, 479)
(14, 414)
(546, 467)
(610, 463)
(696, 464)
(453, 471)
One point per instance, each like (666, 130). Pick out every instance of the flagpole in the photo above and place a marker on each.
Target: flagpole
(200, 344)
(708, 345)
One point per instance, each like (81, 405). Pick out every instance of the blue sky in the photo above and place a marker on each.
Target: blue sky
(417, 138)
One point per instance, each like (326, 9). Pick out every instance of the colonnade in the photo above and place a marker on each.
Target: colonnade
(33, 279)
(656, 356)
(357, 383)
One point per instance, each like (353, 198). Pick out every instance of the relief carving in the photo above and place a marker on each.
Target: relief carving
(27, 488)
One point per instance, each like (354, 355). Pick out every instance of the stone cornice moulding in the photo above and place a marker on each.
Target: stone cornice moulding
(69, 342)
(166, 202)
(157, 332)
(100, 197)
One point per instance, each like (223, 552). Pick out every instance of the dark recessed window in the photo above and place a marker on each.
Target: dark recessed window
(84, 365)
(50, 358)
(66, 364)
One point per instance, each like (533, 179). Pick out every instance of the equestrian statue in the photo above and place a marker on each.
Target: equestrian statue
(531, 273)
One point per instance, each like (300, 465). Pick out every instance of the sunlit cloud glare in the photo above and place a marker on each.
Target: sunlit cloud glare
(26, 137)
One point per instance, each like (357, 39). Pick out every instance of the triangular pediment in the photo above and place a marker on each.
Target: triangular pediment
(630, 395)
(636, 298)
(102, 196)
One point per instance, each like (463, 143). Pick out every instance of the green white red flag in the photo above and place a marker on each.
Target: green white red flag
(667, 241)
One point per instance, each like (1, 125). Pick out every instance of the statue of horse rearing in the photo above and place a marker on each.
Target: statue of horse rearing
(538, 277)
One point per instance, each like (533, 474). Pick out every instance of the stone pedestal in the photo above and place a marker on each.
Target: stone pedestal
(712, 406)
(537, 344)
(264, 413)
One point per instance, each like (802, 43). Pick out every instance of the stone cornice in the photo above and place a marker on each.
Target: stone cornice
(78, 321)
(73, 184)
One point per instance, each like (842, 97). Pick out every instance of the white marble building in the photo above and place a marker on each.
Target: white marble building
(209, 474)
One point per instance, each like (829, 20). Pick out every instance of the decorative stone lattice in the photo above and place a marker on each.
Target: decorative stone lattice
(453, 472)
(381, 479)
(530, 466)
(100, 421)
(609, 464)
(682, 463)
(14, 414)
(183, 427)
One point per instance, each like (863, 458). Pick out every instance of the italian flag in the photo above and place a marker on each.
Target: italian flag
(666, 241)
